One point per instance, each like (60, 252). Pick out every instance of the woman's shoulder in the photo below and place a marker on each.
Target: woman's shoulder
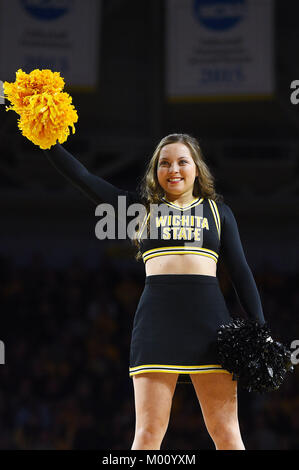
(218, 199)
(134, 197)
(224, 209)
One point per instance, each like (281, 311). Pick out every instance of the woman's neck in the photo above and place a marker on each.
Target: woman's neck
(183, 200)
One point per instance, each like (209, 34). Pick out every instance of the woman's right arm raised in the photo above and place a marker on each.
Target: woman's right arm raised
(95, 187)
(46, 114)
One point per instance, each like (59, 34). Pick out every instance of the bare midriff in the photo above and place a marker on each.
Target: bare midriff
(180, 264)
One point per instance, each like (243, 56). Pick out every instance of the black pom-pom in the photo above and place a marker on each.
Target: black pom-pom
(247, 350)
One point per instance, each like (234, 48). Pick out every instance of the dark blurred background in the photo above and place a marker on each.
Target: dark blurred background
(67, 299)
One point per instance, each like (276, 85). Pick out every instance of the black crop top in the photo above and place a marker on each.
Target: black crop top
(212, 232)
(192, 229)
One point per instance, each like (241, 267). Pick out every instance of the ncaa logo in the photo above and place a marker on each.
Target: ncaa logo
(219, 14)
(47, 9)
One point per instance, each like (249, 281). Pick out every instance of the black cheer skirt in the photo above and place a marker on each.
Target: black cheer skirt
(175, 326)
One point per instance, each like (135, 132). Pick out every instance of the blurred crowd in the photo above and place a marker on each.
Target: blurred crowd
(65, 383)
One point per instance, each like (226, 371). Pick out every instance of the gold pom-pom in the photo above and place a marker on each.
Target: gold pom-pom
(46, 113)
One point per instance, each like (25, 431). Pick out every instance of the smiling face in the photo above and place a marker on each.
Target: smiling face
(176, 170)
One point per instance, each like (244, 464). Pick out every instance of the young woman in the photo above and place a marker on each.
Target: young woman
(182, 307)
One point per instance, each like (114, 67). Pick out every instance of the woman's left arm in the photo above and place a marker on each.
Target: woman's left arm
(231, 250)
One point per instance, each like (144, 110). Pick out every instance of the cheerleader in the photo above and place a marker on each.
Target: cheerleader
(182, 306)
(181, 313)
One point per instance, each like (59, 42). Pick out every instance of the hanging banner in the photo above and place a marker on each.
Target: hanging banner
(219, 49)
(61, 35)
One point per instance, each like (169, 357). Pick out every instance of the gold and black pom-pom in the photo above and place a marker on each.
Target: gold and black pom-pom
(246, 349)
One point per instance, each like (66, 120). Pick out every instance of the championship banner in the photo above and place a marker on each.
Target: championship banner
(61, 35)
(219, 49)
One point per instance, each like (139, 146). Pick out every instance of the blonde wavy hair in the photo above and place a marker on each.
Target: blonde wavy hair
(150, 190)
